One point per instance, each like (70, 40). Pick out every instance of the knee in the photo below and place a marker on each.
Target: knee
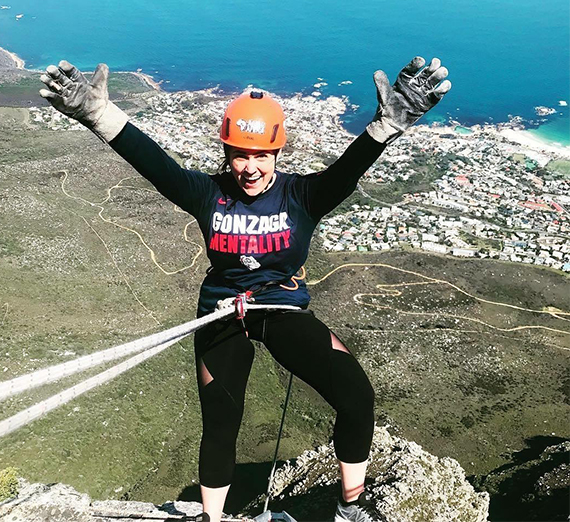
(354, 391)
(366, 395)
(357, 400)
(221, 413)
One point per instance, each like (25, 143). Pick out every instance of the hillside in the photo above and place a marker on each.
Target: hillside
(468, 358)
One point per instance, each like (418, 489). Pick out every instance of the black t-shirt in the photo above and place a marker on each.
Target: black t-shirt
(253, 243)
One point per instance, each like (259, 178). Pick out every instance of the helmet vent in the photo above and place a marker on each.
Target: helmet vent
(256, 95)
(274, 132)
(227, 127)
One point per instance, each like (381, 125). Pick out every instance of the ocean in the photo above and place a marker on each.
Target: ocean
(505, 57)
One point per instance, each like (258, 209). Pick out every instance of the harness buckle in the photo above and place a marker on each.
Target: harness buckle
(240, 303)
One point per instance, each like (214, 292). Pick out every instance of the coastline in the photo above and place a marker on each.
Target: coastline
(10, 60)
(518, 137)
(523, 137)
(147, 79)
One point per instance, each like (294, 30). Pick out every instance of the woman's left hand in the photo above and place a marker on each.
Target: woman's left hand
(416, 90)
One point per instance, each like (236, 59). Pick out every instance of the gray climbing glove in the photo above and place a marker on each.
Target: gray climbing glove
(415, 92)
(87, 102)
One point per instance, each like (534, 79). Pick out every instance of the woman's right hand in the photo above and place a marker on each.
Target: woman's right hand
(87, 102)
(71, 94)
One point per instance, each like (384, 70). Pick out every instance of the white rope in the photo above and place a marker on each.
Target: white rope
(54, 373)
(153, 344)
(38, 410)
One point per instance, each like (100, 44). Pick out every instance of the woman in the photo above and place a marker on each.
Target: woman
(257, 224)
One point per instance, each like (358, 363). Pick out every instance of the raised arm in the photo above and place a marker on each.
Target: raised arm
(88, 103)
(417, 89)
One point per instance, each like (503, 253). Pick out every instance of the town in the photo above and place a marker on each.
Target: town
(487, 196)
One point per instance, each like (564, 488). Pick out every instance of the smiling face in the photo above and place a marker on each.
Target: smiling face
(253, 170)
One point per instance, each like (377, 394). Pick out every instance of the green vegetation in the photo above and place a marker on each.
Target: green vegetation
(426, 172)
(388, 193)
(480, 242)
(443, 379)
(8, 483)
(519, 158)
(9, 247)
(125, 84)
(22, 89)
(560, 167)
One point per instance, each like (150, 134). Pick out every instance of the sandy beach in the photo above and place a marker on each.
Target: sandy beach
(530, 141)
(9, 60)
(523, 138)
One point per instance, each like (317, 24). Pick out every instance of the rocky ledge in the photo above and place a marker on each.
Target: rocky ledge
(62, 503)
(410, 485)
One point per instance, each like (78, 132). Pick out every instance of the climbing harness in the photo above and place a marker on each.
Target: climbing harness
(241, 303)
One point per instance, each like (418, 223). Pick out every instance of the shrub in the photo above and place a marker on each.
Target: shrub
(8, 483)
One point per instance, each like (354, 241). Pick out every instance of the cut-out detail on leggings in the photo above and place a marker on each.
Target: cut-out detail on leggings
(338, 345)
(205, 375)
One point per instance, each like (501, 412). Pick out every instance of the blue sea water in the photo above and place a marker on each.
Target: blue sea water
(505, 56)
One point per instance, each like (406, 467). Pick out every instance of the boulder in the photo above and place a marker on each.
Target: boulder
(407, 483)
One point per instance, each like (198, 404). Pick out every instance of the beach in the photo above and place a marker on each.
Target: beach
(518, 137)
(530, 141)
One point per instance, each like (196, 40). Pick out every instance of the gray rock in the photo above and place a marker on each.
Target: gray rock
(410, 485)
(61, 503)
(46, 503)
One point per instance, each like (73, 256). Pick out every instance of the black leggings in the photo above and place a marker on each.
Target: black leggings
(301, 344)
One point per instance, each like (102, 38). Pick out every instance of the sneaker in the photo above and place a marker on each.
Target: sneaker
(202, 517)
(360, 510)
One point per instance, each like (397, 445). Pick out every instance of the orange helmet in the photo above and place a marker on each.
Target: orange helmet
(254, 120)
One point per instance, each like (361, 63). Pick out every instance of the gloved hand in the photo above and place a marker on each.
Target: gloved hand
(87, 102)
(413, 94)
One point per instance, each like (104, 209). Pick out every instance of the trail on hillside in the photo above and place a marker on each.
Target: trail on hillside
(121, 273)
(152, 253)
(391, 290)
